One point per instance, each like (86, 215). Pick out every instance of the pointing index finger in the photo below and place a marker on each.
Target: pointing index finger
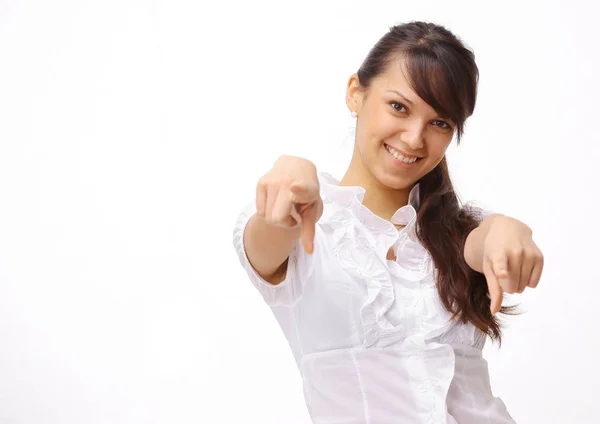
(493, 287)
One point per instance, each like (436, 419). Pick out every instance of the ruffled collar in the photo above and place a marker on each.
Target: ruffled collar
(351, 197)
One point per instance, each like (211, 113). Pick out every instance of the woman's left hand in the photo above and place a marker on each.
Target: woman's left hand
(507, 256)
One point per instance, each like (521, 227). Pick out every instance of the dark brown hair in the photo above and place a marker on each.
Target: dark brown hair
(442, 71)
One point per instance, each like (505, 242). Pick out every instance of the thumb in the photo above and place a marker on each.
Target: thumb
(305, 192)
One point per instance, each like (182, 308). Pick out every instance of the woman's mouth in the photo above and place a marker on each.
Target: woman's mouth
(406, 160)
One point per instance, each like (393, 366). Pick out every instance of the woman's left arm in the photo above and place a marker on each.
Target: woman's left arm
(503, 250)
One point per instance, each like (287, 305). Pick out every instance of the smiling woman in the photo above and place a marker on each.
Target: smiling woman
(411, 96)
(385, 286)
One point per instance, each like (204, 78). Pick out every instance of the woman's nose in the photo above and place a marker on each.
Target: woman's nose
(413, 136)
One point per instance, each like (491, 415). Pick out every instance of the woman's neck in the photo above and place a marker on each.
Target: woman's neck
(379, 199)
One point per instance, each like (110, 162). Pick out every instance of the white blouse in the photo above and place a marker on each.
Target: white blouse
(372, 341)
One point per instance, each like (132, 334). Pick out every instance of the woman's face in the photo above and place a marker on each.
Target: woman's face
(395, 126)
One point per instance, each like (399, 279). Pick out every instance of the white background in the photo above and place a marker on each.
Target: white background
(133, 132)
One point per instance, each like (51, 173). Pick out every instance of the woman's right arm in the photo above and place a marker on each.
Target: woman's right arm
(288, 206)
(268, 248)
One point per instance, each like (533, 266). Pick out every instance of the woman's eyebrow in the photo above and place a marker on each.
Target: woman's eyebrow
(402, 96)
(441, 116)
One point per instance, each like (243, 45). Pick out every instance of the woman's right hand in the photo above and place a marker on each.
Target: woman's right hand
(288, 196)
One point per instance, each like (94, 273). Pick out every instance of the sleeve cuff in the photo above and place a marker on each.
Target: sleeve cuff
(299, 266)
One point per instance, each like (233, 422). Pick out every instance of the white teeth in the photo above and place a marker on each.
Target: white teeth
(399, 155)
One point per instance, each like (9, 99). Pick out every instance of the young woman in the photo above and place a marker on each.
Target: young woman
(384, 285)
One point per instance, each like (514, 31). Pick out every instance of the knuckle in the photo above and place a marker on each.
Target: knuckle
(263, 183)
(497, 258)
(286, 181)
(517, 251)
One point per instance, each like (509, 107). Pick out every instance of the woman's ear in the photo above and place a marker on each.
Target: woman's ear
(353, 94)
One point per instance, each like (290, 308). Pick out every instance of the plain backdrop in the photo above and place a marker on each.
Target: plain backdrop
(132, 133)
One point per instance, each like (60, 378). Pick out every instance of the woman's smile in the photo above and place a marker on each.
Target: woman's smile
(400, 159)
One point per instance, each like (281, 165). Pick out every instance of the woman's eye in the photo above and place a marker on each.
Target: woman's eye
(400, 109)
(442, 124)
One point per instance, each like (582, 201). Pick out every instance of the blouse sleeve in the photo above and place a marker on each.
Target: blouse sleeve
(484, 213)
(480, 211)
(299, 267)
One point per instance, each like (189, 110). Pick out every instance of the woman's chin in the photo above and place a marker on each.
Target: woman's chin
(395, 181)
